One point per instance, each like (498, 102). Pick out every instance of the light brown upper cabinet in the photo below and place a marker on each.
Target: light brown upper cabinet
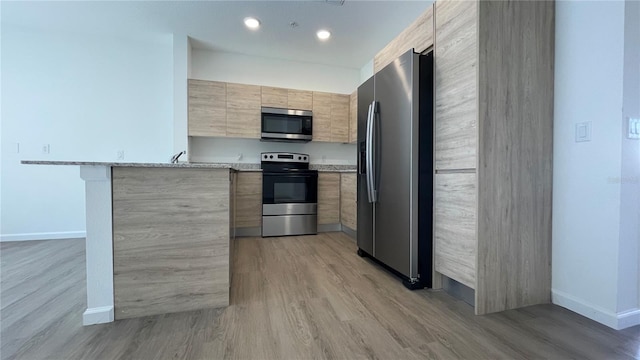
(243, 111)
(418, 35)
(340, 118)
(353, 117)
(494, 64)
(275, 97)
(207, 108)
(330, 117)
(321, 116)
(299, 99)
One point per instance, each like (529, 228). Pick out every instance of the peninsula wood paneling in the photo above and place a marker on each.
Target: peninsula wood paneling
(456, 111)
(348, 208)
(243, 110)
(170, 240)
(249, 199)
(275, 97)
(321, 116)
(515, 157)
(207, 108)
(353, 117)
(340, 118)
(300, 99)
(328, 198)
(418, 35)
(455, 223)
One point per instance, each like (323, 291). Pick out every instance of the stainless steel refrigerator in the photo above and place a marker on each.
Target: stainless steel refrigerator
(395, 168)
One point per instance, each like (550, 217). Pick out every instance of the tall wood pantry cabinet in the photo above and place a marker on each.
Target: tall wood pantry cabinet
(494, 63)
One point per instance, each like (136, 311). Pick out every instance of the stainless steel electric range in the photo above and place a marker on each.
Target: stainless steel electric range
(289, 195)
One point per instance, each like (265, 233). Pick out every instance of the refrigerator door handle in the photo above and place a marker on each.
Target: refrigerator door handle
(368, 154)
(374, 150)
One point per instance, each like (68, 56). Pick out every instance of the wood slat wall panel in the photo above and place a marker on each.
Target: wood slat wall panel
(170, 238)
(207, 108)
(243, 110)
(455, 221)
(418, 35)
(456, 111)
(249, 200)
(328, 198)
(348, 208)
(516, 144)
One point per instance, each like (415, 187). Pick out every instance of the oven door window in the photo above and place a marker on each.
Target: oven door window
(288, 189)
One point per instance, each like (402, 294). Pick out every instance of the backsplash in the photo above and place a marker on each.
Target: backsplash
(230, 150)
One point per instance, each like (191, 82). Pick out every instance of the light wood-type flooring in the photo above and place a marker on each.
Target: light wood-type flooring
(307, 297)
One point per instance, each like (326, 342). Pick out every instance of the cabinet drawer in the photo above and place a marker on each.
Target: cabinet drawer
(455, 219)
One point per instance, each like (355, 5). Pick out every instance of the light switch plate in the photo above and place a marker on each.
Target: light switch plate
(583, 131)
(634, 128)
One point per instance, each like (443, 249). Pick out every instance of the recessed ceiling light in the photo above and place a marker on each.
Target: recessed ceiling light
(252, 23)
(323, 34)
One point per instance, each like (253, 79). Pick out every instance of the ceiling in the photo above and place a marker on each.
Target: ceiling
(359, 28)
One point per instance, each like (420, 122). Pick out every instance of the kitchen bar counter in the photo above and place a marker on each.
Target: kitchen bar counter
(233, 166)
(155, 231)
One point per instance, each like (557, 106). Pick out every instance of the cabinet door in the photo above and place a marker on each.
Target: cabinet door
(418, 35)
(321, 116)
(300, 99)
(243, 111)
(455, 241)
(275, 97)
(207, 108)
(353, 117)
(348, 209)
(249, 199)
(456, 112)
(328, 198)
(340, 118)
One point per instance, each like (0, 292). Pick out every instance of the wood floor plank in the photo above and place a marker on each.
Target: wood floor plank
(307, 297)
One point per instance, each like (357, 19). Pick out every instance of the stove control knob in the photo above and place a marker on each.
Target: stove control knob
(305, 158)
(265, 156)
(270, 156)
(299, 157)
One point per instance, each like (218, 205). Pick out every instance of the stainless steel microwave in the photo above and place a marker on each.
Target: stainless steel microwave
(286, 125)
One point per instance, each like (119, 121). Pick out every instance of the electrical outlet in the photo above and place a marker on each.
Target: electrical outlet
(583, 131)
(239, 157)
(120, 155)
(46, 149)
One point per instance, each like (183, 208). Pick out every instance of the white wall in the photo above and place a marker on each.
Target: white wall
(588, 239)
(236, 68)
(88, 96)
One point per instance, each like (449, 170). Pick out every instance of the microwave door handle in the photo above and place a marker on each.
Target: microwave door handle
(369, 154)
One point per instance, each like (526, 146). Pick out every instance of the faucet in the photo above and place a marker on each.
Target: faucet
(174, 158)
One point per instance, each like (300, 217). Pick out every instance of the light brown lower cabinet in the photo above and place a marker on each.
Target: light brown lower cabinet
(249, 199)
(170, 240)
(348, 207)
(328, 198)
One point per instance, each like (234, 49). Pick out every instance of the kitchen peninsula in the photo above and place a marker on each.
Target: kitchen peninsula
(158, 237)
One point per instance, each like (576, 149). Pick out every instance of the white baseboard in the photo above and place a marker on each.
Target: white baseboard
(44, 236)
(618, 321)
(98, 315)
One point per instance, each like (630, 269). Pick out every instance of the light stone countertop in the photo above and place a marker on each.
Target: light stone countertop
(232, 166)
